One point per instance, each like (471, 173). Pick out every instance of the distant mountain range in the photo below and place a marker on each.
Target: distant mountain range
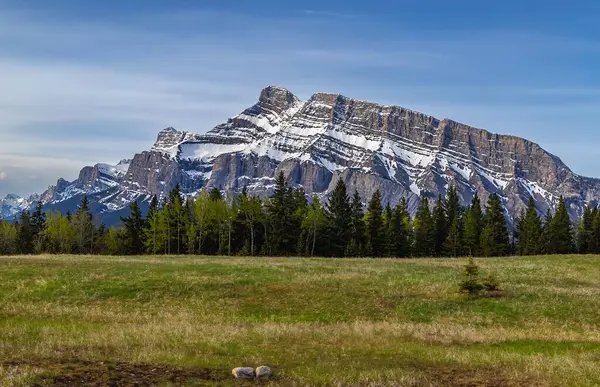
(317, 142)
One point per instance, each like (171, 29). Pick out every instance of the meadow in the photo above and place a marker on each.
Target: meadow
(94, 320)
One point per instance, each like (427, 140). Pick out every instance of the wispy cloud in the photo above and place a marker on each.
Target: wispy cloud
(328, 14)
(24, 175)
(372, 58)
(64, 92)
(99, 90)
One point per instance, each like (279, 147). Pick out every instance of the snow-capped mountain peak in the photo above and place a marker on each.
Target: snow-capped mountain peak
(329, 137)
(12, 205)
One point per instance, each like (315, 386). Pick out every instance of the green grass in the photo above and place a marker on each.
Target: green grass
(190, 320)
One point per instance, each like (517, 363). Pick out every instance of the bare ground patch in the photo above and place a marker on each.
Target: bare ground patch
(476, 377)
(72, 372)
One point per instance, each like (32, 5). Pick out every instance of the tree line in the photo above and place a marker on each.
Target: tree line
(287, 224)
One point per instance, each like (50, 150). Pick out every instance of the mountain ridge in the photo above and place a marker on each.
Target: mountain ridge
(328, 137)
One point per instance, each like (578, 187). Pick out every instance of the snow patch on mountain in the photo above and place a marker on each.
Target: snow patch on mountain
(207, 151)
(535, 190)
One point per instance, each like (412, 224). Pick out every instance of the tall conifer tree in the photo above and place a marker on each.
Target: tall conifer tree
(339, 220)
(594, 240)
(585, 235)
(562, 229)
(454, 244)
(530, 231)
(83, 226)
(25, 234)
(376, 233)
(494, 237)
(473, 224)
(38, 222)
(440, 226)
(401, 235)
(281, 219)
(424, 231)
(356, 245)
(133, 230)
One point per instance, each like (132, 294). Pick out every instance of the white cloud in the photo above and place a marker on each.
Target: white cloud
(3, 175)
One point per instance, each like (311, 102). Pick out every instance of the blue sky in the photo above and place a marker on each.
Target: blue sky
(93, 81)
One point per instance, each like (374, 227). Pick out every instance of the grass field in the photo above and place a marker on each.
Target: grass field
(72, 320)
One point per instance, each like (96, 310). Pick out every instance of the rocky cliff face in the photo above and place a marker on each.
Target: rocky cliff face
(330, 137)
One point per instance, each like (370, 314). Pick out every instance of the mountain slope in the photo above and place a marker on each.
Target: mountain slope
(330, 137)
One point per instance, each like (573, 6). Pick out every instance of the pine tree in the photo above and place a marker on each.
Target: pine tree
(400, 234)
(133, 231)
(300, 208)
(594, 241)
(471, 284)
(584, 234)
(388, 231)
(25, 233)
(281, 220)
(153, 206)
(494, 237)
(454, 243)
(356, 246)
(215, 194)
(440, 226)
(376, 236)
(473, 224)
(452, 205)
(547, 233)
(530, 231)
(38, 221)
(340, 220)
(519, 231)
(38, 218)
(99, 246)
(84, 206)
(424, 231)
(562, 229)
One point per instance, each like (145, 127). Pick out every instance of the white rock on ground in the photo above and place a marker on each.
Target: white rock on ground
(263, 372)
(243, 373)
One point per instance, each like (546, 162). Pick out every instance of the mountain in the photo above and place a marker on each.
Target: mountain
(12, 205)
(329, 137)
